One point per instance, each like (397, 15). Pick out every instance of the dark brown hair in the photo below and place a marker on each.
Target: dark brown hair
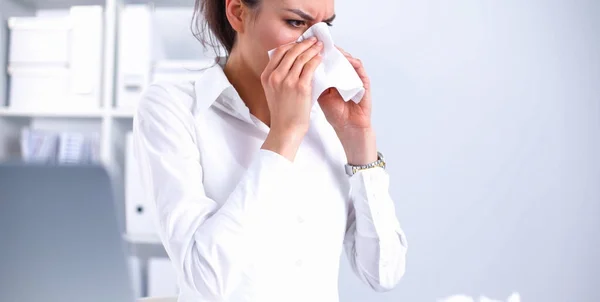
(211, 15)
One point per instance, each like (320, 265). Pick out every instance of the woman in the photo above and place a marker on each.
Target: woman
(248, 177)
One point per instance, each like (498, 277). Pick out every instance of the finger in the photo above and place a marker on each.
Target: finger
(345, 53)
(276, 57)
(356, 63)
(304, 58)
(360, 70)
(290, 56)
(308, 71)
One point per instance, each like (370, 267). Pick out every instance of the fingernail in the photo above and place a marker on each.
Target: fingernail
(313, 39)
(319, 43)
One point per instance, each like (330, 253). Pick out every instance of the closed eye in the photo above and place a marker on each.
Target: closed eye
(301, 23)
(296, 23)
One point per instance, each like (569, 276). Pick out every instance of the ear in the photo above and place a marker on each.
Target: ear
(235, 11)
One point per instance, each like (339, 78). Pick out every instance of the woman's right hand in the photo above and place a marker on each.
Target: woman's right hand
(287, 81)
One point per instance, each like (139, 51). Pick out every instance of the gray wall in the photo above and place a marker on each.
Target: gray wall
(489, 114)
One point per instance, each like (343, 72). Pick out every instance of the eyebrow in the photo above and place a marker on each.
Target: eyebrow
(308, 17)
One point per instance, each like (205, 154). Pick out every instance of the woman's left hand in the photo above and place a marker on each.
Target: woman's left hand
(348, 115)
(351, 121)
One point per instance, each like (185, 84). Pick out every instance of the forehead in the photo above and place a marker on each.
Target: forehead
(322, 8)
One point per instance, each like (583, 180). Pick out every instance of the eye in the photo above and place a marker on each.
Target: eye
(296, 23)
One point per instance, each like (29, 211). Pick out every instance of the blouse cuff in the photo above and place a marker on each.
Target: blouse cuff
(375, 210)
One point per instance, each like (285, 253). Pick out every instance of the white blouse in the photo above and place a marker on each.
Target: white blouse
(244, 224)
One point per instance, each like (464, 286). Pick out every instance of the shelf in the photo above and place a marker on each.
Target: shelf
(56, 4)
(142, 239)
(7, 112)
(62, 4)
(122, 113)
(163, 3)
(115, 113)
(145, 247)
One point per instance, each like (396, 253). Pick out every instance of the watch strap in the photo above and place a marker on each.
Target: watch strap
(353, 169)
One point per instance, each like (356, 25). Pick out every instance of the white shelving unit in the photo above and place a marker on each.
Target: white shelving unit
(111, 122)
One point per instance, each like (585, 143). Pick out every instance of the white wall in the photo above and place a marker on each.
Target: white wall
(489, 114)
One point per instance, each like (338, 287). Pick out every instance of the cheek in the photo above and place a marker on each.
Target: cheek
(277, 36)
(269, 38)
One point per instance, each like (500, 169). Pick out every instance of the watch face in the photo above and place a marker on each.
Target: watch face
(349, 170)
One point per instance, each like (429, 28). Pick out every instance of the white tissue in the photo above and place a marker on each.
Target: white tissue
(515, 297)
(486, 299)
(335, 70)
(457, 298)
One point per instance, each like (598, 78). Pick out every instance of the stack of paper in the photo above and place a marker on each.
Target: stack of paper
(50, 147)
(39, 146)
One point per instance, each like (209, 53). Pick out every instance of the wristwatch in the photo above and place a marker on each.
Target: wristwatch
(352, 169)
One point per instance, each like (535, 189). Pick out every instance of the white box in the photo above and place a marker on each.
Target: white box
(39, 40)
(47, 89)
(140, 212)
(162, 278)
(56, 62)
(38, 89)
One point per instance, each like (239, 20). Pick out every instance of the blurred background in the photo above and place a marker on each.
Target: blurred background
(488, 113)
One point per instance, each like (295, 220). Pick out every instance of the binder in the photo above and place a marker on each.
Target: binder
(134, 54)
(86, 53)
(140, 213)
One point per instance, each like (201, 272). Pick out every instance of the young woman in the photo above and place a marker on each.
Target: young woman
(257, 190)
